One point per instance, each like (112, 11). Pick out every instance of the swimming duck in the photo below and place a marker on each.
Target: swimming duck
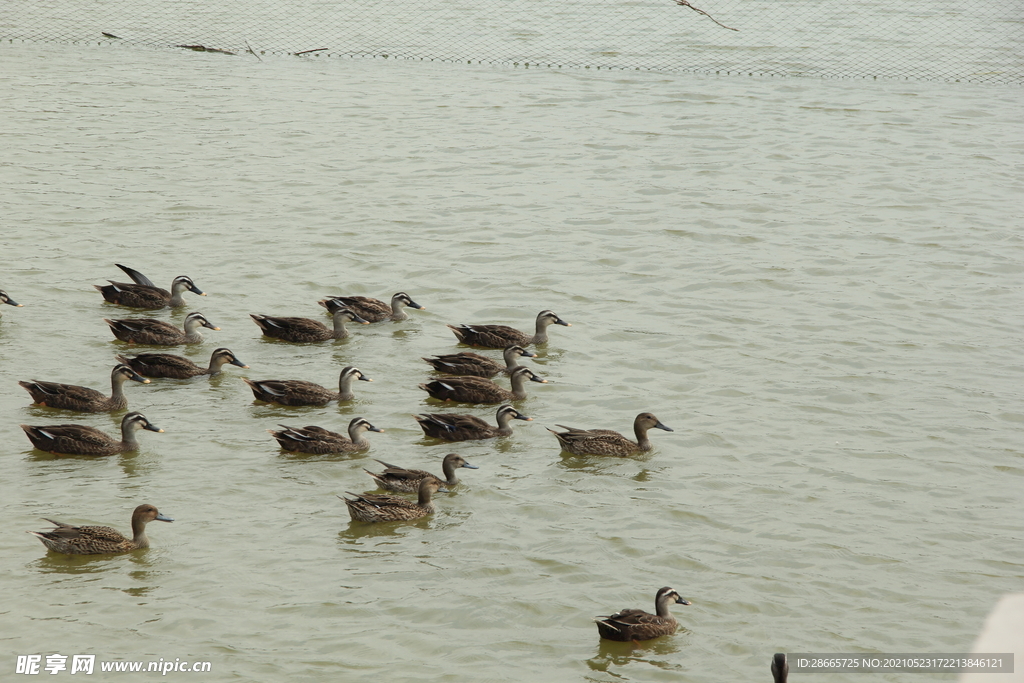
(500, 336)
(307, 330)
(144, 294)
(636, 624)
(178, 367)
(73, 397)
(468, 427)
(83, 440)
(100, 540)
(780, 667)
(5, 299)
(296, 392)
(152, 331)
(373, 310)
(373, 507)
(395, 478)
(480, 390)
(606, 441)
(472, 364)
(320, 441)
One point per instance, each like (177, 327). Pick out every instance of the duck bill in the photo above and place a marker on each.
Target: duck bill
(153, 428)
(160, 517)
(239, 363)
(535, 378)
(520, 416)
(364, 378)
(661, 426)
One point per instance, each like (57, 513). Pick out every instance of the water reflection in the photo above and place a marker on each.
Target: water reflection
(357, 532)
(603, 464)
(658, 652)
(72, 465)
(319, 457)
(71, 565)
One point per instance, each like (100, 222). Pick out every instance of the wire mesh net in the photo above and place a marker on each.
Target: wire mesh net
(895, 39)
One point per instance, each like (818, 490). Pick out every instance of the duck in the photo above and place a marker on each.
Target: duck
(320, 441)
(296, 392)
(606, 441)
(305, 329)
(83, 440)
(178, 367)
(636, 624)
(144, 294)
(500, 336)
(6, 299)
(451, 427)
(84, 399)
(480, 390)
(780, 667)
(152, 331)
(373, 507)
(373, 310)
(395, 478)
(472, 364)
(100, 540)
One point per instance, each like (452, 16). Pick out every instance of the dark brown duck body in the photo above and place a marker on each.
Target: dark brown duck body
(472, 364)
(179, 367)
(100, 540)
(500, 336)
(74, 439)
(608, 442)
(142, 293)
(453, 427)
(158, 332)
(306, 330)
(395, 478)
(319, 441)
(371, 507)
(636, 624)
(84, 399)
(780, 667)
(372, 310)
(480, 390)
(297, 392)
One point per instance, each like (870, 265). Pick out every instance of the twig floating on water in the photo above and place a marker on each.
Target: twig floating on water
(250, 50)
(111, 35)
(684, 3)
(203, 48)
(306, 52)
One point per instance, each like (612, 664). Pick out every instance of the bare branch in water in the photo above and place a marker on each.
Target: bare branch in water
(684, 3)
(110, 35)
(250, 50)
(306, 52)
(203, 48)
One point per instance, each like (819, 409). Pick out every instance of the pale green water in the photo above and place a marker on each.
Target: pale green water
(816, 284)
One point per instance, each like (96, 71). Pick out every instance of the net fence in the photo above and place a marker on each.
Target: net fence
(893, 39)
